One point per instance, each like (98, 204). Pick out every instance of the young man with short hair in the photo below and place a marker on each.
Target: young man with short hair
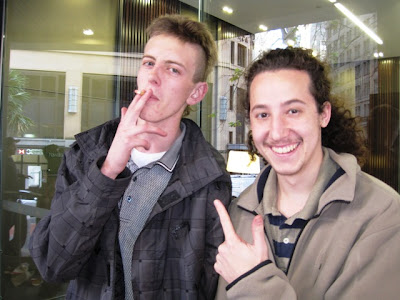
(132, 216)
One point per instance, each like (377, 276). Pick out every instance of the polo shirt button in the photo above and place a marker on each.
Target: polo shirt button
(286, 241)
(129, 199)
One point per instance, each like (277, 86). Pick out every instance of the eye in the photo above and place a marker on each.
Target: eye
(293, 111)
(174, 70)
(262, 115)
(148, 63)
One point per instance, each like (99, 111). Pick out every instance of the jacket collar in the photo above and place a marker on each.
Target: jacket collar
(199, 164)
(340, 188)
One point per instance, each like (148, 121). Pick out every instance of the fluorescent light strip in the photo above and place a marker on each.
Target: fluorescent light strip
(357, 21)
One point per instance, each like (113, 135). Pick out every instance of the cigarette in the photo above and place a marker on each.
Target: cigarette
(141, 93)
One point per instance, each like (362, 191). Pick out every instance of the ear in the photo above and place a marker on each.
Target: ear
(198, 93)
(325, 115)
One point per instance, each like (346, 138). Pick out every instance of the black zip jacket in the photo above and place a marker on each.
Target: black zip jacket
(174, 255)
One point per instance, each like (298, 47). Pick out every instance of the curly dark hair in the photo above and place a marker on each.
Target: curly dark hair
(343, 133)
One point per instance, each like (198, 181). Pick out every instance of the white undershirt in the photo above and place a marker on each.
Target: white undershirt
(141, 159)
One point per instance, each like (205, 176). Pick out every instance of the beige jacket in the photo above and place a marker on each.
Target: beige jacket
(349, 250)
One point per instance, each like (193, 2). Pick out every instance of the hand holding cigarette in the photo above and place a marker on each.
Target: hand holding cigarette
(130, 134)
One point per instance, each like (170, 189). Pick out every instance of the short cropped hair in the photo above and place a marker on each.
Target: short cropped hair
(188, 31)
(343, 133)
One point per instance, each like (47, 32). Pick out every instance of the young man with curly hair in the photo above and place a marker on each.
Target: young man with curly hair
(133, 215)
(313, 225)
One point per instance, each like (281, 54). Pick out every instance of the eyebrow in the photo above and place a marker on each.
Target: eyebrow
(167, 61)
(293, 101)
(286, 103)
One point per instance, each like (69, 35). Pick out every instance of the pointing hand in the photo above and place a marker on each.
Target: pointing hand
(235, 256)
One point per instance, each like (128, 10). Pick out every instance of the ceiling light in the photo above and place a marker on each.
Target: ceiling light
(227, 9)
(263, 27)
(378, 54)
(88, 31)
(332, 1)
(357, 21)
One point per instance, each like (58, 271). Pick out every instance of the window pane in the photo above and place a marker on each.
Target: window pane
(45, 55)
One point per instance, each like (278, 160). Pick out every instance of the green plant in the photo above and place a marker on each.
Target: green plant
(235, 124)
(237, 73)
(18, 97)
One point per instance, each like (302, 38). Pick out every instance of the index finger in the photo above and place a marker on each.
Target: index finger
(227, 226)
(136, 106)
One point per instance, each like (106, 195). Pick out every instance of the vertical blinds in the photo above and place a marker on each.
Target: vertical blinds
(383, 125)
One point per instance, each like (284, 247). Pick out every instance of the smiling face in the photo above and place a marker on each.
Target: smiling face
(168, 67)
(285, 122)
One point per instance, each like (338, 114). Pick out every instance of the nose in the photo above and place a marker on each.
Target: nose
(278, 129)
(154, 76)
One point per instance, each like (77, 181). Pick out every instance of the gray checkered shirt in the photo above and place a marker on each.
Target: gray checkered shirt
(144, 190)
